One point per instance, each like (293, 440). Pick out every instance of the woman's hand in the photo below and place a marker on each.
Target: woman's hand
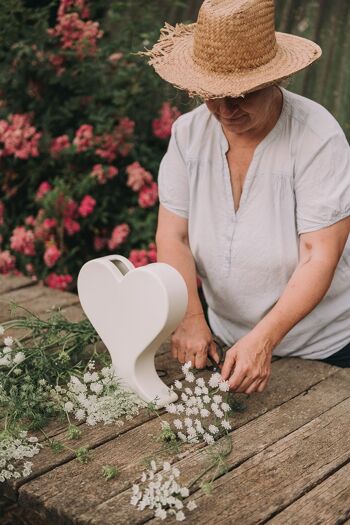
(192, 341)
(247, 364)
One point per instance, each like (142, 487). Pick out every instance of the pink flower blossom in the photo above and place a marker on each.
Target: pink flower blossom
(100, 243)
(148, 195)
(110, 144)
(19, 137)
(152, 252)
(42, 190)
(30, 220)
(49, 223)
(138, 258)
(79, 5)
(7, 262)
(22, 241)
(115, 57)
(84, 138)
(103, 174)
(137, 176)
(71, 226)
(51, 255)
(59, 144)
(59, 282)
(86, 206)
(2, 213)
(119, 235)
(76, 34)
(162, 126)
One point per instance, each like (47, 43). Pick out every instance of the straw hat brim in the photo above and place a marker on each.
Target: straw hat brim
(176, 65)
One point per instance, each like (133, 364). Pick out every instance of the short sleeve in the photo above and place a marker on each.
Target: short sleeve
(173, 186)
(322, 183)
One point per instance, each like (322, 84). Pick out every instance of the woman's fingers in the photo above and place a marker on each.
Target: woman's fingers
(228, 365)
(213, 352)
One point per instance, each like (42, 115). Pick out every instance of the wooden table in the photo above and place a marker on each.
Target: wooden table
(290, 462)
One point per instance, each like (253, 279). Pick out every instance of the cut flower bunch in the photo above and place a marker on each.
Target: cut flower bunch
(56, 370)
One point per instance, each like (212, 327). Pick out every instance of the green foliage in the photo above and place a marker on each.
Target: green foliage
(58, 84)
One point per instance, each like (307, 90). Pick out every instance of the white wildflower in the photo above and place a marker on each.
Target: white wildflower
(2, 329)
(226, 424)
(205, 412)
(7, 350)
(19, 358)
(217, 398)
(190, 377)
(96, 387)
(191, 505)
(186, 367)
(180, 516)
(224, 386)
(178, 384)
(200, 382)
(225, 407)
(68, 406)
(17, 448)
(208, 438)
(171, 408)
(213, 429)
(8, 341)
(215, 380)
(177, 423)
(161, 492)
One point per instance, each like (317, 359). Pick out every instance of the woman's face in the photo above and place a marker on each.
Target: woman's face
(239, 115)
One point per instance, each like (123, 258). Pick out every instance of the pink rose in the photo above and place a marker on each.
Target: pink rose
(60, 282)
(162, 126)
(148, 195)
(51, 255)
(42, 190)
(119, 235)
(86, 206)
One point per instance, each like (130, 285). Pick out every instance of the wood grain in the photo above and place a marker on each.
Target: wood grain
(129, 449)
(331, 499)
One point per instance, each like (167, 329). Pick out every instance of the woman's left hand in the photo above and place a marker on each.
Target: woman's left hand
(247, 365)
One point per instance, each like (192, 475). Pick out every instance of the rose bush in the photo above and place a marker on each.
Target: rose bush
(79, 147)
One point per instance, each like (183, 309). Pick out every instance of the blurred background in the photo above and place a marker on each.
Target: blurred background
(84, 123)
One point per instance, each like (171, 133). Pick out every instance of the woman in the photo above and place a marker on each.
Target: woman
(254, 196)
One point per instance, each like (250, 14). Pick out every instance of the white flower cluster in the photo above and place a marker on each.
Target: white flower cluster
(9, 357)
(13, 450)
(199, 406)
(98, 397)
(162, 492)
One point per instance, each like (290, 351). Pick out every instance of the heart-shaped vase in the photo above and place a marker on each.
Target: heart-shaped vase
(133, 310)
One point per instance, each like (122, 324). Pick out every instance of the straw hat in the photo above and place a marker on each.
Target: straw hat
(231, 50)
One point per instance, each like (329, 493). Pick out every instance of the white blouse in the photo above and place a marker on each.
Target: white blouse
(298, 181)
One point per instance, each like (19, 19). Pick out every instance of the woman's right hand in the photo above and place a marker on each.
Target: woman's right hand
(192, 341)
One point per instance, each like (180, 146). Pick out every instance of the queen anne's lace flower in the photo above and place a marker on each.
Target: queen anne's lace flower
(13, 451)
(202, 409)
(162, 492)
(98, 398)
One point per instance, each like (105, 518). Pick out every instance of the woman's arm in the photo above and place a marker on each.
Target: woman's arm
(192, 338)
(249, 360)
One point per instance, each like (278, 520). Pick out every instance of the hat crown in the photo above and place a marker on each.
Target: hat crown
(233, 36)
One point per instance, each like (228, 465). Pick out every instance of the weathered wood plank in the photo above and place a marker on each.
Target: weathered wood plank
(331, 499)
(248, 440)
(276, 477)
(130, 448)
(37, 299)
(13, 282)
